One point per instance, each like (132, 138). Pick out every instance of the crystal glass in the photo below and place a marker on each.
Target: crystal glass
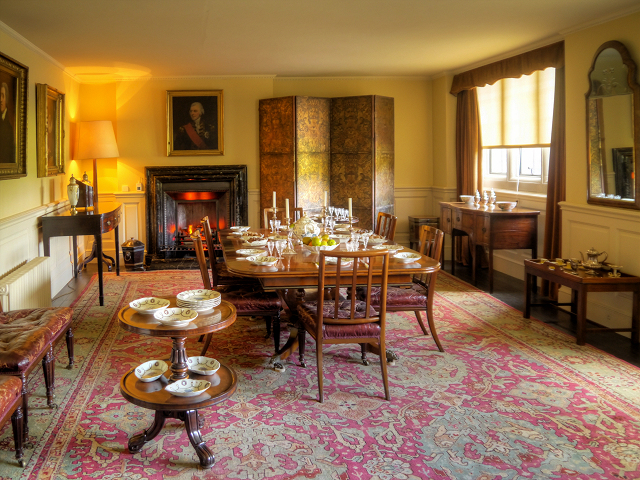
(365, 238)
(280, 245)
(331, 211)
(270, 245)
(277, 225)
(272, 223)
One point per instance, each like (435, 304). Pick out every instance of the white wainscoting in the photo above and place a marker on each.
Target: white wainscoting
(615, 231)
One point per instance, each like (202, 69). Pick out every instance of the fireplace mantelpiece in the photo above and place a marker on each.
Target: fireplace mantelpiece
(160, 180)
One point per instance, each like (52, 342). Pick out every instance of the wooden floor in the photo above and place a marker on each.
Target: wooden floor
(506, 289)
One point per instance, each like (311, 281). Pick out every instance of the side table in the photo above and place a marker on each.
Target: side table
(152, 395)
(581, 284)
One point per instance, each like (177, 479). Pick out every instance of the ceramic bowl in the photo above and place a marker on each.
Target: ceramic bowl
(407, 257)
(263, 260)
(466, 198)
(377, 240)
(203, 365)
(188, 388)
(506, 205)
(149, 305)
(151, 370)
(176, 317)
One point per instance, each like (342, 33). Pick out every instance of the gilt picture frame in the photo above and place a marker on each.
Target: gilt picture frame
(49, 130)
(14, 79)
(195, 122)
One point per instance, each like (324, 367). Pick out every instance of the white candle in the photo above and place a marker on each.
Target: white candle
(274, 199)
(286, 208)
(326, 198)
(350, 212)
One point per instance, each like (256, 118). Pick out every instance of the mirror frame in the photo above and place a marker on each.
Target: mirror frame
(633, 85)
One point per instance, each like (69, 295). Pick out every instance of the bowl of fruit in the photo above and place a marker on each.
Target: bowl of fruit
(320, 243)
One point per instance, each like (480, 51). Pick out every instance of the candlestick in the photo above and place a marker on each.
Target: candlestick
(274, 199)
(286, 207)
(350, 208)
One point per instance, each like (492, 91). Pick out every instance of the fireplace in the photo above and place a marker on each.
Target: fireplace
(178, 197)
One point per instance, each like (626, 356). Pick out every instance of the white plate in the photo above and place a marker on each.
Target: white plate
(188, 388)
(176, 317)
(376, 240)
(151, 370)
(240, 228)
(237, 232)
(408, 257)
(198, 296)
(277, 237)
(325, 248)
(264, 261)
(149, 304)
(340, 237)
(203, 365)
(249, 251)
(391, 248)
(334, 261)
(257, 243)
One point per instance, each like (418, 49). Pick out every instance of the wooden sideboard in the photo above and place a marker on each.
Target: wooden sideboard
(489, 228)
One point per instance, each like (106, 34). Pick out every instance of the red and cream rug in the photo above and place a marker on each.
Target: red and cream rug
(510, 399)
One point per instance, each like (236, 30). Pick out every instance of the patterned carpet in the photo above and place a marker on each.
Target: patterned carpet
(510, 399)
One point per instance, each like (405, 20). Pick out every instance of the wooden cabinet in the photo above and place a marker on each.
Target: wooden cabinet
(294, 151)
(491, 229)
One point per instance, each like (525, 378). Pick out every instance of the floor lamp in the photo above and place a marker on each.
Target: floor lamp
(96, 140)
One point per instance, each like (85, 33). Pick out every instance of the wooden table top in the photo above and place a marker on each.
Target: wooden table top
(301, 269)
(557, 272)
(490, 209)
(206, 322)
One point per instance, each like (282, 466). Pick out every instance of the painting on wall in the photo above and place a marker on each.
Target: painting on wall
(195, 122)
(14, 78)
(49, 130)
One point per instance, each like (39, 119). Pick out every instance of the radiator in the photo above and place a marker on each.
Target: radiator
(28, 286)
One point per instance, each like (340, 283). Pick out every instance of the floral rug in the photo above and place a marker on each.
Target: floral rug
(510, 399)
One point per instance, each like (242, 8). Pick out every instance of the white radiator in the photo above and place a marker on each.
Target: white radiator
(28, 286)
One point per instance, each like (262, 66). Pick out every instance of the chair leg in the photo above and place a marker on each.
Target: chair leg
(422, 326)
(302, 336)
(17, 422)
(363, 349)
(268, 321)
(320, 376)
(70, 348)
(205, 347)
(276, 332)
(48, 366)
(25, 406)
(383, 364)
(432, 327)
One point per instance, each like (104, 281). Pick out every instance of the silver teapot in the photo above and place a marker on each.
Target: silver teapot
(592, 260)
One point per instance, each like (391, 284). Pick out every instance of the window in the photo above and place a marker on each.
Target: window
(516, 116)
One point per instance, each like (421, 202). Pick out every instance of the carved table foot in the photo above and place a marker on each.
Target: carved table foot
(137, 441)
(191, 421)
(391, 357)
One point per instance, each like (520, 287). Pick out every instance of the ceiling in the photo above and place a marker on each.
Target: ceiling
(92, 38)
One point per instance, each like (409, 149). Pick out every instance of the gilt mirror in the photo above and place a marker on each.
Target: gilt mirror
(613, 128)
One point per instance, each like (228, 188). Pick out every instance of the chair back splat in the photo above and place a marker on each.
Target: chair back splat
(386, 225)
(338, 316)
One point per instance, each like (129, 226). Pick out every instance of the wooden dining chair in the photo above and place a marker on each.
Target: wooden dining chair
(386, 225)
(249, 300)
(419, 297)
(267, 214)
(346, 320)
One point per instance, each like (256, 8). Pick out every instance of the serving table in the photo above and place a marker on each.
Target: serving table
(299, 271)
(153, 396)
(581, 283)
(491, 228)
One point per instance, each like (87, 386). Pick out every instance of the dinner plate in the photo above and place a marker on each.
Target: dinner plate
(249, 251)
(151, 370)
(263, 260)
(408, 257)
(188, 388)
(334, 261)
(149, 304)
(240, 228)
(203, 365)
(199, 295)
(391, 248)
(256, 243)
(252, 234)
(376, 240)
(340, 237)
(277, 237)
(176, 317)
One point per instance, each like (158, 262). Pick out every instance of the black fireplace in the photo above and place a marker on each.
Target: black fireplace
(178, 197)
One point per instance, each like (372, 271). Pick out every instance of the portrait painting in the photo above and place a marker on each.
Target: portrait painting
(49, 130)
(195, 123)
(13, 118)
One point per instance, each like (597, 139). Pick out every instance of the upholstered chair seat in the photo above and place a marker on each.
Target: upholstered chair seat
(308, 311)
(11, 407)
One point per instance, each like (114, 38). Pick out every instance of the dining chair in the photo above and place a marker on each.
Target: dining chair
(419, 297)
(341, 319)
(267, 214)
(249, 300)
(386, 225)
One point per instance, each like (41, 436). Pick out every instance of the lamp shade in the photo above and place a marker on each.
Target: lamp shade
(96, 140)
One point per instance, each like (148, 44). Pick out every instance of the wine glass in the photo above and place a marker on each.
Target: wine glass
(270, 245)
(272, 223)
(330, 211)
(365, 238)
(278, 222)
(280, 244)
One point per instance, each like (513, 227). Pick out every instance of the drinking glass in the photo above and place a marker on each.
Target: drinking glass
(270, 245)
(280, 244)
(365, 238)
(272, 223)
(330, 211)
(278, 222)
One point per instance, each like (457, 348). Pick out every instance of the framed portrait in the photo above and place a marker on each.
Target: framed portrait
(14, 78)
(49, 130)
(195, 122)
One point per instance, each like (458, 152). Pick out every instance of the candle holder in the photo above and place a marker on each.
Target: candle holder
(274, 219)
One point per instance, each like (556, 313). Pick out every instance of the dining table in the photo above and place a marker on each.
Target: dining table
(296, 273)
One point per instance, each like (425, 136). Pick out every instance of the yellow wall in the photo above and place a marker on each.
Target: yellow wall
(580, 48)
(444, 133)
(22, 194)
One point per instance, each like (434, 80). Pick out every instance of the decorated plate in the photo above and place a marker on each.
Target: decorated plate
(188, 388)
(334, 261)
(408, 257)
(240, 228)
(203, 365)
(249, 251)
(391, 248)
(377, 239)
(200, 295)
(176, 317)
(149, 304)
(252, 234)
(340, 237)
(263, 260)
(151, 370)
(277, 237)
(258, 242)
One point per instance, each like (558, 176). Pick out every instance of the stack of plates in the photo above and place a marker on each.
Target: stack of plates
(198, 300)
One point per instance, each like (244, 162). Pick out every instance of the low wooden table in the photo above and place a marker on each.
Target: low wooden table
(581, 284)
(152, 395)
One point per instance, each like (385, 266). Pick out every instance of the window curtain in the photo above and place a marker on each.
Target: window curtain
(468, 139)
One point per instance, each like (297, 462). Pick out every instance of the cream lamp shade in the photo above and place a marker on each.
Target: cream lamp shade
(96, 140)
